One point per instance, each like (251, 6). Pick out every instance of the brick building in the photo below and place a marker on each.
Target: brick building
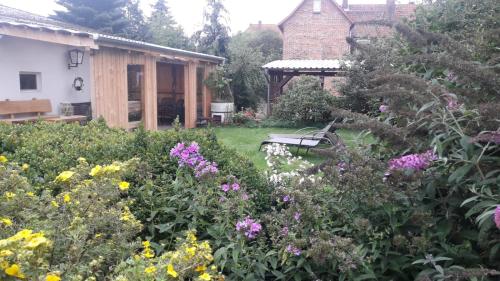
(317, 29)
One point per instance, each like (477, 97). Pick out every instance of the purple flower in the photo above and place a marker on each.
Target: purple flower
(249, 227)
(485, 137)
(286, 198)
(235, 186)
(225, 187)
(293, 250)
(297, 216)
(190, 157)
(284, 231)
(413, 161)
(244, 196)
(496, 217)
(341, 166)
(383, 108)
(222, 199)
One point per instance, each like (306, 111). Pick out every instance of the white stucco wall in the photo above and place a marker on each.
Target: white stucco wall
(51, 60)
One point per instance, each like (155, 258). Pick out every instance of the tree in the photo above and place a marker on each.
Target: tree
(165, 30)
(137, 28)
(214, 37)
(248, 52)
(106, 16)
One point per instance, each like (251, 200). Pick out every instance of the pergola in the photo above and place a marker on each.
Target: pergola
(280, 72)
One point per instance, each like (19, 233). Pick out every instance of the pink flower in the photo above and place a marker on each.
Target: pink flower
(249, 227)
(235, 186)
(383, 108)
(297, 216)
(496, 216)
(413, 161)
(225, 187)
(293, 250)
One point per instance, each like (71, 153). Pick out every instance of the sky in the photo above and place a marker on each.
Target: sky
(189, 13)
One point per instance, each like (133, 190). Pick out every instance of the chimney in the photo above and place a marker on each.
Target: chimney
(345, 4)
(391, 9)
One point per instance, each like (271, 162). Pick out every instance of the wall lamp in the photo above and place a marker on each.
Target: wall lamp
(75, 58)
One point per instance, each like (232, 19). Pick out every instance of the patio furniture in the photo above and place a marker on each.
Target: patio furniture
(305, 137)
(33, 107)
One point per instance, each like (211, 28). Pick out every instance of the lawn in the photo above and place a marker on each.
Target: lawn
(247, 142)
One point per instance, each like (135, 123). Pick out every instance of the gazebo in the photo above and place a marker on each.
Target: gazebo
(280, 72)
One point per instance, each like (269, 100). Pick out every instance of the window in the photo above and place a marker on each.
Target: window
(135, 83)
(29, 81)
(317, 6)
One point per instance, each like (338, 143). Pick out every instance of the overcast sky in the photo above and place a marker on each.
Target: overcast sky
(189, 13)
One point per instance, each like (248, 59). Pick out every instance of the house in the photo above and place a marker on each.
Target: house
(314, 39)
(259, 27)
(123, 81)
(317, 29)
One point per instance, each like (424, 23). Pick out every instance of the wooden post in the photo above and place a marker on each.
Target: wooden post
(207, 94)
(190, 95)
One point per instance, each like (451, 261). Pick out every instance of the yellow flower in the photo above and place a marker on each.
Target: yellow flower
(201, 268)
(205, 277)
(4, 265)
(5, 221)
(98, 235)
(124, 186)
(37, 241)
(23, 234)
(82, 160)
(171, 271)
(148, 253)
(6, 253)
(54, 204)
(213, 267)
(112, 168)
(150, 270)
(65, 176)
(146, 244)
(52, 277)
(15, 271)
(9, 195)
(191, 237)
(191, 251)
(30, 194)
(25, 167)
(95, 171)
(3, 159)
(67, 198)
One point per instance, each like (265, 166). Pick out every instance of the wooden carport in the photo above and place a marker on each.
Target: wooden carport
(280, 72)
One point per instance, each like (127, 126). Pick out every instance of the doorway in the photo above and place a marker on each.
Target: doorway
(170, 93)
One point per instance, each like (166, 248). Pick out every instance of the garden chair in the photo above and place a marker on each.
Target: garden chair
(306, 133)
(306, 137)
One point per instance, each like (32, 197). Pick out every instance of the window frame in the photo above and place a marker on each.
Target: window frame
(38, 81)
(317, 6)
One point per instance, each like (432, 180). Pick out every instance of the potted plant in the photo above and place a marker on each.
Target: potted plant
(222, 98)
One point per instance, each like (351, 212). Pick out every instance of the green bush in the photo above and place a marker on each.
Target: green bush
(304, 102)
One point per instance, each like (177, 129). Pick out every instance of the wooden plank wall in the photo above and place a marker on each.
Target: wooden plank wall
(109, 86)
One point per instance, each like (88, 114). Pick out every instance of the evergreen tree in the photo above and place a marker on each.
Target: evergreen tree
(214, 37)
(165, 30)
(106, 16)
(137, 28)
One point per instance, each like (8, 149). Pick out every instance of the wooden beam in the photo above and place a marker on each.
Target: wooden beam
(47, 36)
(190, 95)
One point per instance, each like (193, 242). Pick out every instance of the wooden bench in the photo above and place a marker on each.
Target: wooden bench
(37, 108)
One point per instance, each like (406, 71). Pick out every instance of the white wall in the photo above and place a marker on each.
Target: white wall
(51, 60)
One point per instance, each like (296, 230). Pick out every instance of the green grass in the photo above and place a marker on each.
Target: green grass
(247, 141)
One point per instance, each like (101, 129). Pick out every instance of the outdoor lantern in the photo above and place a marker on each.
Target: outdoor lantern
(75, 58)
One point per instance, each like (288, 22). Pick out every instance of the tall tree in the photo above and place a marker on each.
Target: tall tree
(106, 16)
(214, 37)
(137, 28)
(164, 29)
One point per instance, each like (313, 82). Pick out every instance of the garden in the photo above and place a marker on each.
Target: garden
(414, 194)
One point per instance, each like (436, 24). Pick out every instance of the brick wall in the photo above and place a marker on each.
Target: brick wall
(309, 35)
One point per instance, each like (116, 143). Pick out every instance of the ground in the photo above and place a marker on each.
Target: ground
(247, 142)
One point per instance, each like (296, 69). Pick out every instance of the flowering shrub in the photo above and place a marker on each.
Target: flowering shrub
(82, 230)
(191, 260)
(413, 161)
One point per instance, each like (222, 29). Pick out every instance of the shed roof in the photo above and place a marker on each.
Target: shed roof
(18, 18)
(304, 65)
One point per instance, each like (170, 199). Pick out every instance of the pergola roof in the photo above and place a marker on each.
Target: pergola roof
(304, 65)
